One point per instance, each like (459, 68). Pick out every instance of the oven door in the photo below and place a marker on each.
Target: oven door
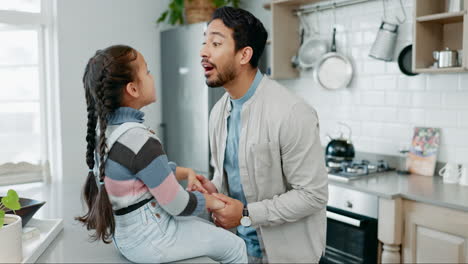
(351, 238)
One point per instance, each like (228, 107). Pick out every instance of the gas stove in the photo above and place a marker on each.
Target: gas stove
(350, 170)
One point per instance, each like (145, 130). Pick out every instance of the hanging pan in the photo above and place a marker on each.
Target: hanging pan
(333, 70)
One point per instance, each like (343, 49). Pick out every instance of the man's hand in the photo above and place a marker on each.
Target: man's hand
(230, 215)
(193, 184)
(207, 184)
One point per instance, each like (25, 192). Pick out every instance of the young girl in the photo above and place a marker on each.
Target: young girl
(131, 192)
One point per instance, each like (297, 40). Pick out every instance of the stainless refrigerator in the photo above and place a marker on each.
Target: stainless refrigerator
(186, 99)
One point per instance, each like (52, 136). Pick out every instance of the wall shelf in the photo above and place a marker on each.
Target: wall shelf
(443, 18)
(436, 29)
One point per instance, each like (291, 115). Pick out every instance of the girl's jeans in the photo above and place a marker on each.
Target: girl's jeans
(150, 234)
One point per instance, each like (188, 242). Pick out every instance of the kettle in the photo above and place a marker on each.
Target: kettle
(446, 58)
(339, 149)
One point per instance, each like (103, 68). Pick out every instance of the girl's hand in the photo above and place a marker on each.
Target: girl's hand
(213, 203)
(193, 184)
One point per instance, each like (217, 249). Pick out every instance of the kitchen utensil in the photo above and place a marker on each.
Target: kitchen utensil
(312, 48)
(385, 41)
(339, 149)
(460, 57)
(295, 58)
(28, 208)
(402, 160)
(384, 44)
(405, 61)
(333, 70)
(450, 173)
(446, 58)
(464, 174)
(454, 5)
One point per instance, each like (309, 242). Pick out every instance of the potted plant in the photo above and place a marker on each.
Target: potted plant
(195, 10)
(11, 231)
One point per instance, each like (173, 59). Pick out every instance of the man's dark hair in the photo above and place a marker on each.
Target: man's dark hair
(248, 30)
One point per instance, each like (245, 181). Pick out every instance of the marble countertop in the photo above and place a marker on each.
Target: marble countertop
(72, 244)
(419, 188)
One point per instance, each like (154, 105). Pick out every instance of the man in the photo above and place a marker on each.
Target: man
(265, 146)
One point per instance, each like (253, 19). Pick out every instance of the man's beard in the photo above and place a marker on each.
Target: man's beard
(222, 78)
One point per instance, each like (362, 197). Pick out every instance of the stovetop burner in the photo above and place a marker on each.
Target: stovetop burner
(355, 169)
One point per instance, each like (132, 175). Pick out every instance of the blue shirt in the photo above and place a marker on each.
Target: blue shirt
(231, 165)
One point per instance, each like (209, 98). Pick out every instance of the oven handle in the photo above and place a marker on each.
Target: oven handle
(343, 219)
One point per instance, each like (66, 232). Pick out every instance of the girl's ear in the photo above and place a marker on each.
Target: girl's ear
(132, 90)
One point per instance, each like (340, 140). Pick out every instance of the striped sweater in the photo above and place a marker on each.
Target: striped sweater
(137, 168)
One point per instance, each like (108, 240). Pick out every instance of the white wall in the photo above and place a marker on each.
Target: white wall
(83, 27)
(382, 105)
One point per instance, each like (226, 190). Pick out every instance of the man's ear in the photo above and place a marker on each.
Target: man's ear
(132, 90)
(246, 55)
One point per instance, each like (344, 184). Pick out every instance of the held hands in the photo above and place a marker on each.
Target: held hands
(229, 216)
(213, 203)
(193, 184)
(207, 184)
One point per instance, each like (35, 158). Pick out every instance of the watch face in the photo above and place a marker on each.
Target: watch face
(245, 221)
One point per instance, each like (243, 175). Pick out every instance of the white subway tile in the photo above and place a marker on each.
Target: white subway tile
(426, 99)
(454, 137)
(463, 81)
(385, 82)
(455, 100)
(369, 37)
(362, 113)
(414, 117)
(413, 83)
(442, 82)
(398, 98)
(384, 114)
(463, 118)
(357, 38)
(350, 97)
(441, 118)
(461, 155)
(373, 98)
(392, 67)
(373, 66)
(371, 129)
(397, 132)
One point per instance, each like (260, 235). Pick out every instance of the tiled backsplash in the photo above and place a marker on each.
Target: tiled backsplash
(382, 105)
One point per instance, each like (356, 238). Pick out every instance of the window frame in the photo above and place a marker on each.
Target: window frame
(45, 22)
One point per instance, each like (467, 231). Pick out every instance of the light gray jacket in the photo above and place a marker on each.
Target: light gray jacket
(282, 170)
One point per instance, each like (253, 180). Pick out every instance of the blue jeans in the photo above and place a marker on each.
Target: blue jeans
(150, 234)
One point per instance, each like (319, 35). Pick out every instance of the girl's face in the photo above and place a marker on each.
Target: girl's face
(145, 82)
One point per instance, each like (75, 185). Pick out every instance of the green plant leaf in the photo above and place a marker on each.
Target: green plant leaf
(162, 17)
(11, 201)
(2, 218)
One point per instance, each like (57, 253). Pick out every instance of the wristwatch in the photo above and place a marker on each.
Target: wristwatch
(245, 220)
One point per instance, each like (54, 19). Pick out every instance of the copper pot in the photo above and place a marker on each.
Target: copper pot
(198, 10)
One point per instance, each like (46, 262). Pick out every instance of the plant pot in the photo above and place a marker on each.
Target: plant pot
(11, 247)
(198, 10)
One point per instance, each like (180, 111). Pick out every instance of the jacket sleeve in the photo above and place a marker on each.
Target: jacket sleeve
(217, 174)
(303, 167)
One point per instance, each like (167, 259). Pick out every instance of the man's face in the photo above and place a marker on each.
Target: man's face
(218, 54)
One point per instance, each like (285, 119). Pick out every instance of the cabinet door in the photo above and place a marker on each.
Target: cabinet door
(434, 234)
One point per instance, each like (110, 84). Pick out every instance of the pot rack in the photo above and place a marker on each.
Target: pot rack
(327, 5)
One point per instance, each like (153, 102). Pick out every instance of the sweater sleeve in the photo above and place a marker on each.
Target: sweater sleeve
(149, 164)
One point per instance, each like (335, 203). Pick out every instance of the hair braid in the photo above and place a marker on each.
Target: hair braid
(106, 75)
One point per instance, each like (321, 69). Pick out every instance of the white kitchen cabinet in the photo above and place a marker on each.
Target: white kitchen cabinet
(434, 234)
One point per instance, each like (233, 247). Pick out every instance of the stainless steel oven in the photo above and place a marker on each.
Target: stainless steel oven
(351, 227)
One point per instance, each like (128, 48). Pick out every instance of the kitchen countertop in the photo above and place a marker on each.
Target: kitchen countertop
(72, 243)
(430, 190)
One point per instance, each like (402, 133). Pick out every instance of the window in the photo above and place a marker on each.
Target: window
(23, 74)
